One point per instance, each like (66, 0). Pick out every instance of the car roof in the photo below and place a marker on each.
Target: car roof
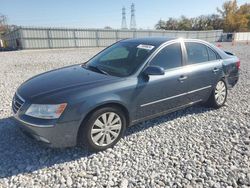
(155, 41)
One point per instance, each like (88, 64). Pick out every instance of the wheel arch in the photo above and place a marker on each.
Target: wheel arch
(114, 104)
(225, 79)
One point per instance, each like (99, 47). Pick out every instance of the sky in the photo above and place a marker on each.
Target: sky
(101, 13)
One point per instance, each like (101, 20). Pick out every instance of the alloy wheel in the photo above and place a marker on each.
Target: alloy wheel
(106, 129)
(220, 93)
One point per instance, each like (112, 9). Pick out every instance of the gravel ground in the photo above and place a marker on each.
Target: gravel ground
(195, 147)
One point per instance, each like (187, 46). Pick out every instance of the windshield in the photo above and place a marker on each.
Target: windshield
(121, 59)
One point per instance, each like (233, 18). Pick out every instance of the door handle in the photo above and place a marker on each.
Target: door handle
(182, 78)
(215, 70)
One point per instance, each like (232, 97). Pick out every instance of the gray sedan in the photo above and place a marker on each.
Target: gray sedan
(131, 81)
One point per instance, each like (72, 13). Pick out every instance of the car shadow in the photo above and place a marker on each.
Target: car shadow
(19, 154)
(196, 109)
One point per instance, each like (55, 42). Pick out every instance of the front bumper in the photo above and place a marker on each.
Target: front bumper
(56, 135)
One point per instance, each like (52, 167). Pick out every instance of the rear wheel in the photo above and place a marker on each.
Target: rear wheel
(218, 96)
(103, 129)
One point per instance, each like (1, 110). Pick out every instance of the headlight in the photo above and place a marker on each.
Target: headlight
(46, 111)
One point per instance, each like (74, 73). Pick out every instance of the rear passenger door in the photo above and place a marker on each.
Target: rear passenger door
(204, 68)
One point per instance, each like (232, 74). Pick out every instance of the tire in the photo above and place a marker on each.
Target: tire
(102, 129)
(218, 96)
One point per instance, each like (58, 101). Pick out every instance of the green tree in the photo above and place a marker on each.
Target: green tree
(184, 23)
(231, 18)
(245, 10)
(172, 24)
(215, 21)
(3, 24)
(234, 18)
(161, 25)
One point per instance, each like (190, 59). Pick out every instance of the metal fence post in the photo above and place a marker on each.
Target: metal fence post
(207, 36)
(176, 34)
(149, 33)
(97, 38)
(134, 34)
(20, 31)
(116, 35)
(74, 35)
(197, 35)
(49, 38)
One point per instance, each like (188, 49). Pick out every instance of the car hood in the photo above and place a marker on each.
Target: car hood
(60, 80)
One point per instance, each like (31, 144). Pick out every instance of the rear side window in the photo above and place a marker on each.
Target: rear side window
(211, 54)
(196, 52)
(169, 57)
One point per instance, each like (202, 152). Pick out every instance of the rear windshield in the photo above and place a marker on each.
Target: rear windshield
(122, 59)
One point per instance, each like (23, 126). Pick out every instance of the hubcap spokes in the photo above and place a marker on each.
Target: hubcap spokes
(220, 92)
(106, 129)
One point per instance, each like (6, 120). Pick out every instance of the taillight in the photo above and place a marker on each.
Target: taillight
(238, 64)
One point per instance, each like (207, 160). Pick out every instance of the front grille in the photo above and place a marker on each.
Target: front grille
(17, 103)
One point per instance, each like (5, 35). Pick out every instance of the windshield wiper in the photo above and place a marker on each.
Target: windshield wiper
(97, 68)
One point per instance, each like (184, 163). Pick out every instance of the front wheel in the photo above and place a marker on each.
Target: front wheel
(218, 96)
(103, 129)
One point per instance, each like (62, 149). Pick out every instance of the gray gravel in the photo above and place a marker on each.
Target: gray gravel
(195, 147)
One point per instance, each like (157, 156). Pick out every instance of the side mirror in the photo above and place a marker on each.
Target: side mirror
(154, 70)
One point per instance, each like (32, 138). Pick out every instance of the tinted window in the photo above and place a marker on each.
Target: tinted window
(169, 57)
(118, 53)
(211, 54)
(196, 52)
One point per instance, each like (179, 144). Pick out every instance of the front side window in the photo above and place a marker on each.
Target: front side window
(169, 57)
(196, 52)
(121, 59)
